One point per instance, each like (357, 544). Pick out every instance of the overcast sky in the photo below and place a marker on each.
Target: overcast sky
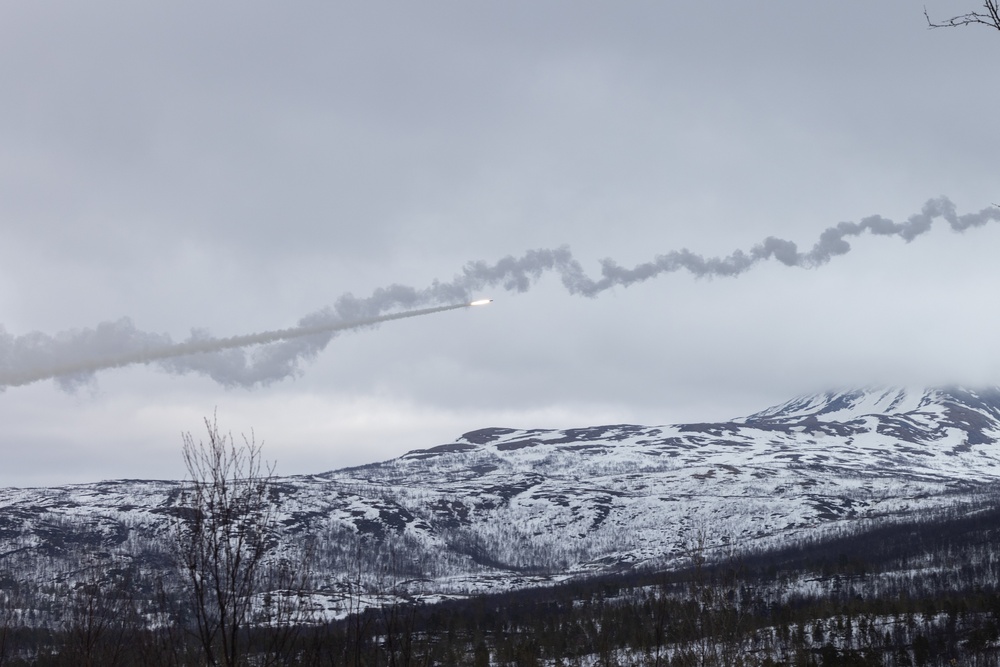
(233, 167)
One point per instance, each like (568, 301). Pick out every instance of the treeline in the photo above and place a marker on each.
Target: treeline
(222, 588)
(924, 592)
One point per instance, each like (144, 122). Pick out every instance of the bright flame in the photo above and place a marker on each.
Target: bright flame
(481, 302)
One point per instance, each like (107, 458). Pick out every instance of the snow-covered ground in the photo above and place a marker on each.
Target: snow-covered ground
(511, 508)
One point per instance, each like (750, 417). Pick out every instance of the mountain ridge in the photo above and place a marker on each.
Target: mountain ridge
(503, 508)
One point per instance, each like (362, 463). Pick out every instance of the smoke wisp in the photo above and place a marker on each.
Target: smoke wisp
(72, 357)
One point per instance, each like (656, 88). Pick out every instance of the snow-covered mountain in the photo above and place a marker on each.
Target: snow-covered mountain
(502, 508)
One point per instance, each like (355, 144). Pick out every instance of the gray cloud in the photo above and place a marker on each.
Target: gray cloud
(239, 170)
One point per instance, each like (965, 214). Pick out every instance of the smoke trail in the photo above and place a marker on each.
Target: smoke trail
(123, 336)
(235, 364)
(832, 242)
(517, 274)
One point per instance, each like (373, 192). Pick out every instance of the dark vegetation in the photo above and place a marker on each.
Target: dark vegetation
(919, 593)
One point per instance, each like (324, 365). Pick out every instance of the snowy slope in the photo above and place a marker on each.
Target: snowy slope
(502, 507)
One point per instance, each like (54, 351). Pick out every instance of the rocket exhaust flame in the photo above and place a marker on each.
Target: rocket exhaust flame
(69, 356)
(481, 302)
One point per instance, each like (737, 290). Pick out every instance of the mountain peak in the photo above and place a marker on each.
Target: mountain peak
(846, 405)
(849, 405)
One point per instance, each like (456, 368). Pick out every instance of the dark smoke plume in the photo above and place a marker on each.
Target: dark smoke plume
(73, 356)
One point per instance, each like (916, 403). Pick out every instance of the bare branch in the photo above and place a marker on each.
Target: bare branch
(223, 543)
(990, 18)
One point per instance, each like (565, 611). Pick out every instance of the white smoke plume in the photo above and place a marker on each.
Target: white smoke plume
(72, 357)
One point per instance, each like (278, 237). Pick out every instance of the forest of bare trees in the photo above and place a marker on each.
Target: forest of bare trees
(923, 592)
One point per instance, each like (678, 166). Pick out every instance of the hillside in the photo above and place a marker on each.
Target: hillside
(504, 508)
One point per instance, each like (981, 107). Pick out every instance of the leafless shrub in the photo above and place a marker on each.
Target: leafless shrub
(222, 541)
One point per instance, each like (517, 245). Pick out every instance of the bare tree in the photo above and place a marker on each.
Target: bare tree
(990, 17)
(224, 538)
(10, 611)
(102, 620)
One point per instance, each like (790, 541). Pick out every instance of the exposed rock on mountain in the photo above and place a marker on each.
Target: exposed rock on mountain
(502, 508)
